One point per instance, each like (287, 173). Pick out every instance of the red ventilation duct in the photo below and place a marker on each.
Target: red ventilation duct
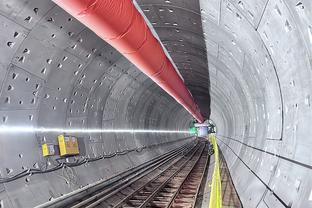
(120, 24)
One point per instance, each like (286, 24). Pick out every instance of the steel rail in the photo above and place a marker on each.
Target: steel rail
(187, 193)
(80, 194)
(105, 194)
(158, 182)
(185, 170)
(166, 197)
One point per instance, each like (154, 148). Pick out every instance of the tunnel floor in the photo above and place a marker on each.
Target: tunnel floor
(176, 179)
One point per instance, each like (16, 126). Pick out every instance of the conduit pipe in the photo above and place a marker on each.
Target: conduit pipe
(120, 24)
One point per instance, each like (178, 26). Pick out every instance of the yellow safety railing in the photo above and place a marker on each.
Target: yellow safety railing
(216, 192)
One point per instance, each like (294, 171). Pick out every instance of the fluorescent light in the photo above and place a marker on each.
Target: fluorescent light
(21, 129)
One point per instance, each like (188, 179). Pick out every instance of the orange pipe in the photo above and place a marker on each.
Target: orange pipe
(120, 24)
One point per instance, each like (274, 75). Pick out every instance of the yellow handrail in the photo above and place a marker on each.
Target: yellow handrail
(216, 191)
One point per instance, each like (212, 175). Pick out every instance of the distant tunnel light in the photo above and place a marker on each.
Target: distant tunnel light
(21, 129)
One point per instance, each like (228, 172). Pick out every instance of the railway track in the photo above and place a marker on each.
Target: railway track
(173, 181)
(159, 189)
(186, 195)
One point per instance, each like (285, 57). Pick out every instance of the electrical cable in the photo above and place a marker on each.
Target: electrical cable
(63, 164)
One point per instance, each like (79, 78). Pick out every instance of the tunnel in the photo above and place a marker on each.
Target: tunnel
(245, 63)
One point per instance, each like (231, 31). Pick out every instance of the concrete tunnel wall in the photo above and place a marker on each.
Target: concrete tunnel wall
(56, 73)
(259, 55)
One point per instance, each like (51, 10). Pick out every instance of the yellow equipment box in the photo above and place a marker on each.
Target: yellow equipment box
(48, 149)
(68, 145)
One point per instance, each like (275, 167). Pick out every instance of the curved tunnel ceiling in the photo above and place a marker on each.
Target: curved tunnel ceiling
(178, 25)
(251, 58)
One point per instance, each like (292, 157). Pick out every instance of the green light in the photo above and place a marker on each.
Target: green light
(193, 131)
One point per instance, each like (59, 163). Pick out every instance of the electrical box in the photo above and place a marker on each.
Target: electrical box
(48, 150)
(68, 145)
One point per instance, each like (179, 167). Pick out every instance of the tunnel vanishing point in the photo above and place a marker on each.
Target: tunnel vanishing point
(97, 97)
